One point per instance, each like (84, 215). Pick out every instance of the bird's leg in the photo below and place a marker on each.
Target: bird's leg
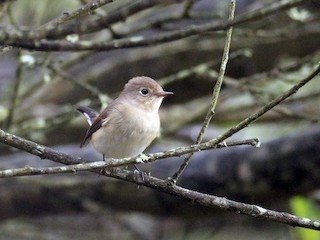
(103, 159)
(136, 167)
(137, 170)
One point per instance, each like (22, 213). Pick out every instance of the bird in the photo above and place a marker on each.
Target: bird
(128, 125)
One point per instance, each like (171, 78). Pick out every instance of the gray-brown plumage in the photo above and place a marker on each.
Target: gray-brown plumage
(130, 123)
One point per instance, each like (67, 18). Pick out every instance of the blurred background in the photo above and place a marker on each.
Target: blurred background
(38, 88)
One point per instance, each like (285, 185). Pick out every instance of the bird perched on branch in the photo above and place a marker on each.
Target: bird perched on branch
(127, 126)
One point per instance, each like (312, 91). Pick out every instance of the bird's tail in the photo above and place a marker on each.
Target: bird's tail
(89, 113)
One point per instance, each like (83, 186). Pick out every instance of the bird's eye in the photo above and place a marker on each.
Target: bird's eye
(144, 91)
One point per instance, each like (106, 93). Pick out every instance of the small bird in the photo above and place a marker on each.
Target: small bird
(127, 126)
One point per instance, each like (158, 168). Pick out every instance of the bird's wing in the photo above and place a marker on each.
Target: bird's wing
(96, 125)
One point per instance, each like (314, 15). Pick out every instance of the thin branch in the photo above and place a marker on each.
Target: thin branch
(187, 7)
(211, 144)
(89, 166)
(215, 94)
(30, 39)
(278, 70)
(267, 107)
(95, 92)
(162, 185)
(12, 19)
(229, 205)
(87, 9)
(15, 94)
(48, 153)
(17, 81)
(199, 69)
(56, 32)
(205, 199)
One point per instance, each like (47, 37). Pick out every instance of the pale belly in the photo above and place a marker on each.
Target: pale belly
(118, 142)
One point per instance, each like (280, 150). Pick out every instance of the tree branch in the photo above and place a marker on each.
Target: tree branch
(215, 93)
(267, 107)
(88, 166)
(36, 41)
(196, 197)
(87, 9)
(162, 185)
(45, 152)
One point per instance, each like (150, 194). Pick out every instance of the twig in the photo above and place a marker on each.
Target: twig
(12, 20)
(199, 69)
(45, 152)
(88, 166)
(267, 107)
(48, 153)
(14, 95)
(187, 7)
(261, 95)
(95, 92)
(229, 205)
(82, 11)
(203, 199)
(278, 70)
(56, 32)
(162, 185)
(30, 39)
(17, 81)
(215, 93)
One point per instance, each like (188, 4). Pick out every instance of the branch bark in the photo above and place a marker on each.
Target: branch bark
(35, 40)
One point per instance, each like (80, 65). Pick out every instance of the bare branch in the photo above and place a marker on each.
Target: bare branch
(45, 152)
(213, 201)
(215, 94)
(162, 185)
(82, 11)
(267, 107)
(32, 39)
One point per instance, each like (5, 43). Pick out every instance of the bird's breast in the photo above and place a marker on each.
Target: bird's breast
(127, 133)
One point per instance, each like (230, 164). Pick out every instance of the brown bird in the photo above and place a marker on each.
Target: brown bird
(127, 126)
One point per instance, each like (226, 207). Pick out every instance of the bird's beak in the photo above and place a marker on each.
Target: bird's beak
(163, 94)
